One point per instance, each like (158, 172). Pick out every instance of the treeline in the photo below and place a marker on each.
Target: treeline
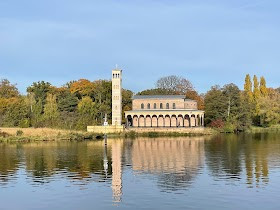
(80, 103)
(232, 109)
(72, 106)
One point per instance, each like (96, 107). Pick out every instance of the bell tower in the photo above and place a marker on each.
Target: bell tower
(116, 96)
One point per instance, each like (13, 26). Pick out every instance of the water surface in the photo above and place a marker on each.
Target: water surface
(223, 172)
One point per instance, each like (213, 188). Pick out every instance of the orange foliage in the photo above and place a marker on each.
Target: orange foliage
(82, 88)
(192, 94)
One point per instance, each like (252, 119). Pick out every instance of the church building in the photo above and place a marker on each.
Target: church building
(164, 111)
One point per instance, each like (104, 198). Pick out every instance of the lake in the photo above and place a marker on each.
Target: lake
(221, 172)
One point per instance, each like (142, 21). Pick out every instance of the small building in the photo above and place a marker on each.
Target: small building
(164, 111)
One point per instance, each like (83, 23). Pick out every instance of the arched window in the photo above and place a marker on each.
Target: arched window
(174, 106)
(155, 105)
(167, 106)
(142, 106)
(160, 106)
(113, 75)
(148, 106)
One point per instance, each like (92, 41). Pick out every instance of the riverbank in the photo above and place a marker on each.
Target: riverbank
(44, 134)
(271, 129)
(49, 134)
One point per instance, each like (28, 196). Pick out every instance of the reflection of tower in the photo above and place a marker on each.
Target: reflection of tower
(105, 161)
(116, 97)
(117, 170)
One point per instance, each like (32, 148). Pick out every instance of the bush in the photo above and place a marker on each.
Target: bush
(19, 133)
(25, 123)
(219, 123)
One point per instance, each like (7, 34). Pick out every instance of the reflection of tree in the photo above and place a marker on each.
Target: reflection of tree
(75, 160)
(9, 161)
(223, 156)
(227, 155)
(174, 161)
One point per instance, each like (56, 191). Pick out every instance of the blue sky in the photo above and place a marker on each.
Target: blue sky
(209, 42)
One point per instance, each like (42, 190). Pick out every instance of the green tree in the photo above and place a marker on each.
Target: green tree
(87, 112)
(51, 113)
(215, 105)
(40, 90)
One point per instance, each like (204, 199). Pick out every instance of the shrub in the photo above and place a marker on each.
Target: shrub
(19, 133)
(219, 123)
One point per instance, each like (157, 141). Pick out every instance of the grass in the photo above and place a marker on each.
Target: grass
(43, 134)
(271, 129)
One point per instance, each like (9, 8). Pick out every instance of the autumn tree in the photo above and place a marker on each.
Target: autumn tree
(263, 88)
(82, 88)
(248, 89)
(192, 94)
(8, 90)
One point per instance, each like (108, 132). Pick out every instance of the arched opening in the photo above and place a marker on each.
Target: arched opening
(167, 121)
(155, 105)
(193, 120)
(174, 106)
(141, 121)
(180, 121)
(135, 121)
(154, 121)
(173, 121)
(142, 106)
(129, 121)
(187, 121)
(149, 106)
(160, 121)
(198, 120)
(161, 106)
(148, 121)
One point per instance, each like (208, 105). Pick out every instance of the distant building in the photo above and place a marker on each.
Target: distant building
(164, 111)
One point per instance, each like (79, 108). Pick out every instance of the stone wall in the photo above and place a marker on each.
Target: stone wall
(106, 129)
(193, 130)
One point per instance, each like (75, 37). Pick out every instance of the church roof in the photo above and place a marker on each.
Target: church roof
(159, 96)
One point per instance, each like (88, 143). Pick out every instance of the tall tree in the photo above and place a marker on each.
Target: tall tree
(51, 113)
(174, 84)
(263, 88)
(248, 89)
(256, 92)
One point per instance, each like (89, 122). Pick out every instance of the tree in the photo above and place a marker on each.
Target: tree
(156, 91)
(263, 88)
(51, 113)
(87, 111)
(40, 90)
(192, 94)
(270, 109)
(8, 90)
(82, 88)
(256, 92)
(126, 101)
(174, 84)
(248, 89)
(215, 105)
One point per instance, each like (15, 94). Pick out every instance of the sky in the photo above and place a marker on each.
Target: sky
(210, 42)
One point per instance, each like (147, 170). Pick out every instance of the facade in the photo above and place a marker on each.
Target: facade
(164, 111)
(117, 97)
